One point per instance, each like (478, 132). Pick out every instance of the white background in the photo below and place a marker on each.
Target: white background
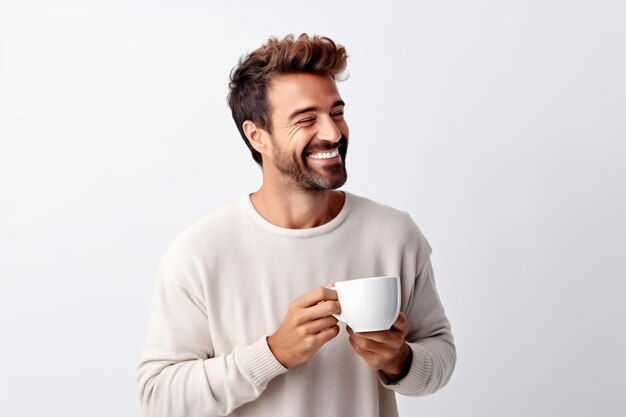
(498, 125)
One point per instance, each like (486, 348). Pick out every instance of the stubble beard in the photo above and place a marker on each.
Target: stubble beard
(307, 178)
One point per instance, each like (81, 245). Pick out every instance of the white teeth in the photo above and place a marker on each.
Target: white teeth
(324, 155)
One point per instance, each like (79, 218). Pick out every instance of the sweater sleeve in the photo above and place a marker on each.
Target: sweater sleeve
(178, 374)
(430, 339)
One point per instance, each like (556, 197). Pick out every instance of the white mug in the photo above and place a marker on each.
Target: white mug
(369, 304)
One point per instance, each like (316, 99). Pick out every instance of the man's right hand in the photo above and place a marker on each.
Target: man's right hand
(307, 326)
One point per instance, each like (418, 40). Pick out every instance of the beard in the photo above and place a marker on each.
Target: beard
(315, 178)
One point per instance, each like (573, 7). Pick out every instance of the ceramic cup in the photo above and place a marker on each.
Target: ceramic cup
(369, 304)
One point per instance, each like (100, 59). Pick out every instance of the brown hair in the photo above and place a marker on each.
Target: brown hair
(249, 79)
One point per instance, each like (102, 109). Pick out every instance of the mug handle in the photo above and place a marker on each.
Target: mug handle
(338, 316)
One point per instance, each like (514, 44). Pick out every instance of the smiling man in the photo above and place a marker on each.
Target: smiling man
(242, 322)
(304, 147)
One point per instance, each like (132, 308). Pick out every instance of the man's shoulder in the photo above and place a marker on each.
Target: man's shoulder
(372, 209)
(212, 228)
(386, 219)
(373, 205)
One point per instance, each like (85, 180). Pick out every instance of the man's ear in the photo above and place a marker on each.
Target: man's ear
(258, 137)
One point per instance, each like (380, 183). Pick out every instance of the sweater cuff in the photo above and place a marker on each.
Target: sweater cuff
(258, 362)
(418, 376)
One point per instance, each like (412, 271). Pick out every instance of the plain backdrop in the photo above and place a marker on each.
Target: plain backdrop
(498, 125)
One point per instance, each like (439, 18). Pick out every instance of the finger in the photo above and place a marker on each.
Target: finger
(322, 324)
(401, 323)
(375, 359)
(320, 310)
(364, 352)
(327, 334)
(393, 336)
(363, 342)
(315, 296)
(375, 345)
(384, 337)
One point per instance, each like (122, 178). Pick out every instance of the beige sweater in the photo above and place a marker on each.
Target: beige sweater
(225, 285)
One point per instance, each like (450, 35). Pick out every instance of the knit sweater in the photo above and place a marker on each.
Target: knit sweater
(225, 284)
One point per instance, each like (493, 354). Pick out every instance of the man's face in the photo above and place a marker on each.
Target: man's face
(309, 134)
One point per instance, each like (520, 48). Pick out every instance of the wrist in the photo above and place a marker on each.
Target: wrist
(400, 366)
(271, 343)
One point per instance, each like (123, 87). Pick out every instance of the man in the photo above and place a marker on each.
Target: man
(241, 322)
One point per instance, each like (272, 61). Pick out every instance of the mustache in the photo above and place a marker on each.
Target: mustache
(325, 146)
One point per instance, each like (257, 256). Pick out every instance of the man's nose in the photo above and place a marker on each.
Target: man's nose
(329, 130)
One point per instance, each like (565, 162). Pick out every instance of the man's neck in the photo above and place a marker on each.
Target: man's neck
(295, 208)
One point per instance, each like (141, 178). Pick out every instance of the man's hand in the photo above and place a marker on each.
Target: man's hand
(307, 326)
(385, 351)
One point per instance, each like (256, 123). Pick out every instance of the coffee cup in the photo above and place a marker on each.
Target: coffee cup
(368, 304)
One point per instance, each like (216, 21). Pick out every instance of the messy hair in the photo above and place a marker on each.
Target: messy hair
(247, 97)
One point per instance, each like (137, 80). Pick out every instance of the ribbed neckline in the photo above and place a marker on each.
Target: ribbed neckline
(312, 231)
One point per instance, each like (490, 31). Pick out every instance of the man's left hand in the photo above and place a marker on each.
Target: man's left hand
(386, 350)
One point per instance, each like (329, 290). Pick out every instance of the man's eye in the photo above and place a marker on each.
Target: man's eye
(337, 115)
(307, 120)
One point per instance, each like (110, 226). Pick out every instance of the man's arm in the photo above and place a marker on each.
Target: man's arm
(417, 355)
(386, 350)
(433, 353)
(308, 325)
(178, 374)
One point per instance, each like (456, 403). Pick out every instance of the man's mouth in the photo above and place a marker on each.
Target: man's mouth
(324, 155)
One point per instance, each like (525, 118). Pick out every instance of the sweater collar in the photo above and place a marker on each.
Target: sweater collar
(309, 232)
